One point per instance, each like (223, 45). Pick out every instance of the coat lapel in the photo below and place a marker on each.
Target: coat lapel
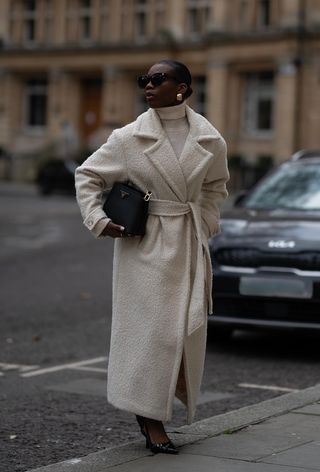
(195, 156)
(177, 173)
(161, 153)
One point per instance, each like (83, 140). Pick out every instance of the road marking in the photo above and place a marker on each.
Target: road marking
(268, 387)
(74, 461)
(91, 369)
(71, 365)
(20, 367)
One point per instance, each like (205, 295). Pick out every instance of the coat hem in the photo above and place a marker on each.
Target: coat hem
(132, 408)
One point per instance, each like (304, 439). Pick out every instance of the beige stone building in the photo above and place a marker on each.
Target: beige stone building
(68, 70)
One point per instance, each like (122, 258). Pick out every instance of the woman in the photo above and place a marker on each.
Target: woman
(162, 281)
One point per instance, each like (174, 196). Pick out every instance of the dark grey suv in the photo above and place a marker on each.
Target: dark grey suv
(266, 261)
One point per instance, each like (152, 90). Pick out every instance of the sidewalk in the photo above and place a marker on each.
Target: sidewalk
(277, 435)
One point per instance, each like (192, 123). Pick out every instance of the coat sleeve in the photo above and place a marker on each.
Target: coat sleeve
(213, 191)
(95, 176)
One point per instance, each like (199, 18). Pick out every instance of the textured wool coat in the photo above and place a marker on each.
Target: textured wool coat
(162, 281)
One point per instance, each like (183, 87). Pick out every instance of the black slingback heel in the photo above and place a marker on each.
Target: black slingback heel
(164, 448)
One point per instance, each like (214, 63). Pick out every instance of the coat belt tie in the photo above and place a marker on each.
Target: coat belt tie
(200, 299)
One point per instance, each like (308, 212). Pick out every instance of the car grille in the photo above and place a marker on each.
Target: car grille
(254, 258)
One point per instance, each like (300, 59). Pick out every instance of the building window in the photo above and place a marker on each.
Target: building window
(36, 103)
(140, 18)
(85, 19)
(259, 103)
(264, 13)
(29, 20)
(199, 94)
(198, 16)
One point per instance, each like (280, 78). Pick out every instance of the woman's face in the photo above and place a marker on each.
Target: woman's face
(164, 95)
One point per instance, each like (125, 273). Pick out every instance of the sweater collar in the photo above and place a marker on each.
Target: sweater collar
(172, 113)
(148, 125)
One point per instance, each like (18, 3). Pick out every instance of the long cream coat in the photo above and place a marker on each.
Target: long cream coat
(162, 281)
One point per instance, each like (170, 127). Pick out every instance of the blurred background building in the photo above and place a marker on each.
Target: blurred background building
(68, 70)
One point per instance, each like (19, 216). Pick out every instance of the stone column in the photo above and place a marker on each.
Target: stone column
(10, 107)
(220, 12)
(4, 20)
(4, 110)
(285, 110)
(40, 22)
(55, 101)
(63, 101)
(176, 18)
(117, 97)
(59, 14)
(11, 98)
(290, 13)
(115, 24)
(309, 103)
(95, 19)
(217, 76)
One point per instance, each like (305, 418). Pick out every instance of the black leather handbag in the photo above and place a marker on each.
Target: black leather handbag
(128, 206)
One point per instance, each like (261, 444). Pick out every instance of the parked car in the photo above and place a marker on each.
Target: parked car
(56, 175)
(266, 261)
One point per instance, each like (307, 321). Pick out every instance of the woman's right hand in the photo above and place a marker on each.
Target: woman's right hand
(113, 230)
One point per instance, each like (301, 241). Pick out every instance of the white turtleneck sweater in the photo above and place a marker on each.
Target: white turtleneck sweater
(175, 124)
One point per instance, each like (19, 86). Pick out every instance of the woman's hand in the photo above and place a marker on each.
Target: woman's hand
(114, 231)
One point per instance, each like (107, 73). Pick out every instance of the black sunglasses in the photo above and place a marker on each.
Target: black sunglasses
(156, 79)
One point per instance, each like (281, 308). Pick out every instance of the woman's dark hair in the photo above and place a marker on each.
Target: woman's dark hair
(181, 73)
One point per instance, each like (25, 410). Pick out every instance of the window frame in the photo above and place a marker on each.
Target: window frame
(203, 15)
(36, 89)
(27, 16)
(255, 91)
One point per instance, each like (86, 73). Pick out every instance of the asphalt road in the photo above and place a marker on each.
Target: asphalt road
(55, 325)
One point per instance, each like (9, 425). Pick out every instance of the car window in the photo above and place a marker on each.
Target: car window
(291, 186)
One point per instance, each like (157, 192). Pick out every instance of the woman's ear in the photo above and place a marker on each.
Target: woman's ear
(182, 88)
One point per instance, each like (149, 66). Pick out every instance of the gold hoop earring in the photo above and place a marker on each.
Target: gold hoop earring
(179, 97)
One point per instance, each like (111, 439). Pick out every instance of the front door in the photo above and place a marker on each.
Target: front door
(90, 110)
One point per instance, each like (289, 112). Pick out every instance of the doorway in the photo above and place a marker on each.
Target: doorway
(90, 109)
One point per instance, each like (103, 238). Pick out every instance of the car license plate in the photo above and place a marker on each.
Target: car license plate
(284, 287)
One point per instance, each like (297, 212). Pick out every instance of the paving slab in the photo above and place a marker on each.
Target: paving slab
(313, 409)
(304, 427)
(306, 456)
(195, 463)
(255, 413)
(249, 445)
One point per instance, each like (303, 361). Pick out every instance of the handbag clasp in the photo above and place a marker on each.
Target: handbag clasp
(147, 196)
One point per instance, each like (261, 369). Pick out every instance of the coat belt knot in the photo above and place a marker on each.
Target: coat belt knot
(200, 299)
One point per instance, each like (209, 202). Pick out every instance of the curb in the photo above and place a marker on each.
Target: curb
(227, 422)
